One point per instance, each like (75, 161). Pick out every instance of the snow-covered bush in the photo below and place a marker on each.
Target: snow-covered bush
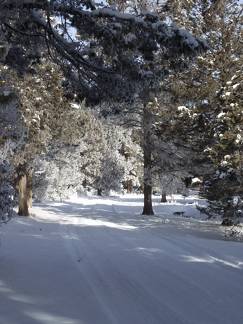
(102, 158)
(121, 167)
(57, 175)
(111, 174)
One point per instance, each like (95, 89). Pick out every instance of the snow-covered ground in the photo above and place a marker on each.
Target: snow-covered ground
(98, 261)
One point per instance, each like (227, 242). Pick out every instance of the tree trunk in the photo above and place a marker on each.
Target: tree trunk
(129, 186)
(163, 197)
(25, 193)
(147, 152)
(147, 207)
(99, 192)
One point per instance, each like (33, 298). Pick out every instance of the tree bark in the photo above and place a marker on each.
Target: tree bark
(147, 207)
(25, 193)
(147, 151)
(129, 186)
(163, 197)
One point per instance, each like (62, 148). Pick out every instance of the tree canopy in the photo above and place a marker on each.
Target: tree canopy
(104, 53)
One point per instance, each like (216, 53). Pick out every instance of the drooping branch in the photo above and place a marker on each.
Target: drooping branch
(110, 54)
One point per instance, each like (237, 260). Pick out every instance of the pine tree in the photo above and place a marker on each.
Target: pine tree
(210, 92)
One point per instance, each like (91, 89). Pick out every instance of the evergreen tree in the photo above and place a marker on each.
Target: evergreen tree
(209, 96)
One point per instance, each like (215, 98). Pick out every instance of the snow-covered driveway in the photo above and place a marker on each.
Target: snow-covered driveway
(99, 262)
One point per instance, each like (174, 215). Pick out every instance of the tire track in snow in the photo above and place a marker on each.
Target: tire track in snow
(145, 299)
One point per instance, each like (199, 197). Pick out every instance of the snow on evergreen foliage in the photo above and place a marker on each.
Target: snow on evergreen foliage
(6, 188)
(103, 159)
(130, 48)
(172, 183)
(111, 174)
(209, 98)
(59, 177)
(11, 136)
(120, 163)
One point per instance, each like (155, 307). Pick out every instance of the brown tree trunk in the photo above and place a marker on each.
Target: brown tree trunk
(25, 193)
(129, 186)
(29, 188)
(147, 151)
(147, 207)
(163, 197)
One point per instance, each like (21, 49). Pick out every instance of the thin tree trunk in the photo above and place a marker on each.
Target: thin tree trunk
(129, 186)
(29, 188)
(25, 193)
(148, 207)
(147, 151)
(163, 197)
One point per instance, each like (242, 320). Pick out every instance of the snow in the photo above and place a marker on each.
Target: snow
(97, 260)
(183, 108)
(235, 86)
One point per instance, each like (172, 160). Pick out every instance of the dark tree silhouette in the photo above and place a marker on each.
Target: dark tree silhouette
(105, 54)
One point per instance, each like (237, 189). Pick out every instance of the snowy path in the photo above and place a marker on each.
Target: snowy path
(99, 262)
